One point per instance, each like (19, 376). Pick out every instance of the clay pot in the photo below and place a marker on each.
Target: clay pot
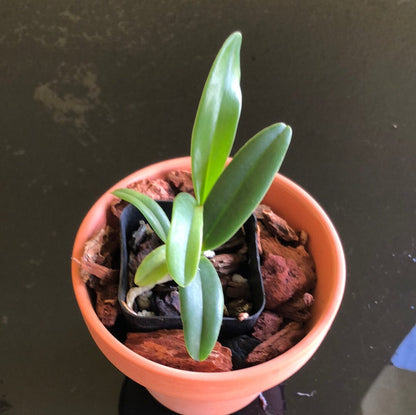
(223, 393)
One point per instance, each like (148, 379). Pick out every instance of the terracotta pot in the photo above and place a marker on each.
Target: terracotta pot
(223, 393)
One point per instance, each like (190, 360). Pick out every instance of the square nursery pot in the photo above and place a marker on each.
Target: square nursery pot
(130, 221)
(188, 392)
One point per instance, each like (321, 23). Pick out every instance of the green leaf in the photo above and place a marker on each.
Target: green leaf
(217, 118)
(150, 209)
(153, 267)
(202, 307)
(183, 246)
(243, 184)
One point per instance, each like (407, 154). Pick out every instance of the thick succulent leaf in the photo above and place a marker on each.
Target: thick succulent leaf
(183, 246)
(217, 118)
(244, 183)
(150, 209)
(202, 306)
(153, 267)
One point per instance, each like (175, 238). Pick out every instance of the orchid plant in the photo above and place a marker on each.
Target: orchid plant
(225, 196)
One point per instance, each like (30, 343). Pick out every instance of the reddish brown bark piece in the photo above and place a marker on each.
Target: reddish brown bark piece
(297, 309)
(303, 237)
(181, 180)
(167, 347)
(98, 255)
(276, 344)
(258, 239)
(225, 279)
(275, 224)
(103, 273)
(282, 279)
(303, 260)
(157, 189)
(107, 305)
(227, 264)
(238, 290)
(267, 324)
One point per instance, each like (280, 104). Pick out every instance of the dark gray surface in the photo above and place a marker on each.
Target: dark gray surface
(91, 91)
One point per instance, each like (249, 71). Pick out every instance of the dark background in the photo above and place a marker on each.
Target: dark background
(93, 90)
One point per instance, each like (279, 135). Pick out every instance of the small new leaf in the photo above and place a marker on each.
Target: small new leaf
(243, 184)
(150, 209)
(202, 306)
(217, 118)
(183, 246)
(153, 267)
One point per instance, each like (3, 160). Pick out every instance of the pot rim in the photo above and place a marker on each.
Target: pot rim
(310, 342)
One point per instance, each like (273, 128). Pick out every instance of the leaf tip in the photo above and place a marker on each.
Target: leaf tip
(116, 192)
(288, 133)
(236, 36)
(285, 131)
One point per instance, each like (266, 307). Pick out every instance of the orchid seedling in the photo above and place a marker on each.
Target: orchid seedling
(225, 197)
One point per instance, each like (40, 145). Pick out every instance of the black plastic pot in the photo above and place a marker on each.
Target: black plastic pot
(129, 223)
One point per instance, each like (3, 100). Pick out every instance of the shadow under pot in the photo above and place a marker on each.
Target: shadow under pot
(237, 263)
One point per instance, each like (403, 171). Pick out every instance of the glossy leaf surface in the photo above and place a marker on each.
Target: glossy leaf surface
(183, 246)
(202, 305)
(243, 184)
(150, 209)
(153, 267)
(217, 118)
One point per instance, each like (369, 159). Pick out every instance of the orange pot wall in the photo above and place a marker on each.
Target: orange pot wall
(223, 393)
